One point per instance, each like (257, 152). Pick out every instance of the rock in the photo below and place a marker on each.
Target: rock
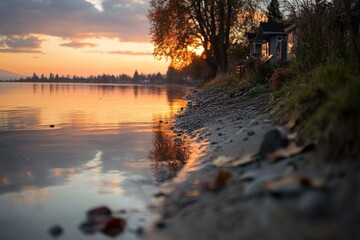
(314, 204)
(122, 211)
(99, 214)
(273, 140)
(267, 121)
(159, 194)
(89, 228)
(140, 231)
(253, 123)
(177, 140)
(160, 225)
(253, 189)
(56, 231)
(250, 133)
(52, 126)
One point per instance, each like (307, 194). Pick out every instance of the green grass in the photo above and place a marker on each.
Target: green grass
(328, 102)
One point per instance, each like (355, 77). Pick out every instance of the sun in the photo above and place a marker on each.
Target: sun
(198, 50)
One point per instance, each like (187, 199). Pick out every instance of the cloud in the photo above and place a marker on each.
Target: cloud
(130, 53)
(9, 50)
(123, 19)
(20, 44)
(76, 44)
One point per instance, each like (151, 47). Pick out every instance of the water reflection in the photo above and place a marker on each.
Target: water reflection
(167, 156)
(91, 135)
(96, 154)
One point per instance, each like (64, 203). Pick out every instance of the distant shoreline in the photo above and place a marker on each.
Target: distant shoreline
(108, 83)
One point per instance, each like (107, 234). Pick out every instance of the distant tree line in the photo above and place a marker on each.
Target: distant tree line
(104, 78)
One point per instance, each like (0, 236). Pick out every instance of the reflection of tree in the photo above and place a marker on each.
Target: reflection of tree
(174, 93)
(167, 156)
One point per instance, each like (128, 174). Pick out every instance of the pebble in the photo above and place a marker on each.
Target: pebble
(267, 121)
(253, 122)
(314, 204)
(253, 189)
(56, 231)
(177, 140)
(250, 133)
(160, 225)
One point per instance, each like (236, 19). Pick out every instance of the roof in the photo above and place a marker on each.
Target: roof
(251, 35)
(272, 27)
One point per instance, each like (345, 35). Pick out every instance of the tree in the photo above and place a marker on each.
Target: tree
(273, 11)
(136, 76)
(179, 26)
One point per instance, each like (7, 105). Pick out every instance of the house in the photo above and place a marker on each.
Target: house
(269, 42)
(291, 40)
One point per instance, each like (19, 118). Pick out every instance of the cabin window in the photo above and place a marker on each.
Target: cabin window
(265, 49)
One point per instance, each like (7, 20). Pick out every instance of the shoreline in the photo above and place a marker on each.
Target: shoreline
(234, 192)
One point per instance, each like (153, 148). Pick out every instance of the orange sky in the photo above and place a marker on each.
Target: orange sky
(81, 37)
(108, 56)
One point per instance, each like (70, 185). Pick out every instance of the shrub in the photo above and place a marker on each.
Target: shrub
(280, 76)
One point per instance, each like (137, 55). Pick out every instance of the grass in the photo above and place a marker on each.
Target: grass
(327, 100)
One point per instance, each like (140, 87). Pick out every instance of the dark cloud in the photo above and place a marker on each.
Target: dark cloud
(124, 19)
(130, 53)
(20, 44)
(13, 50)
(76, 44)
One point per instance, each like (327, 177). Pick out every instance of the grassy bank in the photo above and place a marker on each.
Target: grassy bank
(323, 105)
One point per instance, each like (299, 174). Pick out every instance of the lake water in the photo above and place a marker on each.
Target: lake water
(66, 148)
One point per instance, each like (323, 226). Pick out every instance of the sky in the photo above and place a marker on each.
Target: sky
(76, 37)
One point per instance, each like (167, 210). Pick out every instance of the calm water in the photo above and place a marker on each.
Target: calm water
(103, 150)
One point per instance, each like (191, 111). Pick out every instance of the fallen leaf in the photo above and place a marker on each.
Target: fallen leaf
(193, 193)
(290, 150)
(287, 186)
(114, 227)
(293, 185)
(292, 136)
(221, 180)
(223, 161)
(245, 159)
(294, 117)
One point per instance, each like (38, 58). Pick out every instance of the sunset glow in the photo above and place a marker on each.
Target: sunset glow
(79, 37)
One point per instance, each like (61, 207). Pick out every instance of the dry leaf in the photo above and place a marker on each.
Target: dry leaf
(290, 150)
(114, 227)
(292, 136)
(221, 180)
(293, 185)
(246, 159)
(192, 193)
(293, 119)
(287, 186)
(223, 161)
